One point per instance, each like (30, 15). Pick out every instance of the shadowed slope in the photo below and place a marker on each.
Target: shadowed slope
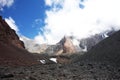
(11, 55)
(107, 50)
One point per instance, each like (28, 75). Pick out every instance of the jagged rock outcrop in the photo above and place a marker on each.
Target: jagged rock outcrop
(64, 46)
(67, 45)
(8, 35)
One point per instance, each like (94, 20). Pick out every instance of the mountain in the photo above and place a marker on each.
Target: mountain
(32, 46)
(108, 50)
(68, 44)
(88, 43)
(91, 41)
(12, 50)
(8, 35)
(65, 45)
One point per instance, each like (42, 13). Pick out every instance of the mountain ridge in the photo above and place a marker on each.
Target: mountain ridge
(12, 50)
(8, 35)
(80, 45)
(108, 50)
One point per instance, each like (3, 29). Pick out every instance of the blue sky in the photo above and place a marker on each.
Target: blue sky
(28, 15)
(47, 21)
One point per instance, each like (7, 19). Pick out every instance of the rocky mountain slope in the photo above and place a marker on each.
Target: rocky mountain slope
(8, 35)
(89, 42)
(74, 44)
(12, 50)
(64, 46)
(11, 55)
(108, 50)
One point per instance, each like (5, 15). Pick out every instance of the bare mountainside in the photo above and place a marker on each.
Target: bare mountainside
(12, 50)
(108, 50)
(11, 55)
(8, 35)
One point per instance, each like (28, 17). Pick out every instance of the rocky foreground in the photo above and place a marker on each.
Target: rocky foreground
(75, 71)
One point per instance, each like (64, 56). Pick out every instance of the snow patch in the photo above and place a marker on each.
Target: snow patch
(105, 35)
(75, 42)
(53, 59)
(43, 61)
(85, 49)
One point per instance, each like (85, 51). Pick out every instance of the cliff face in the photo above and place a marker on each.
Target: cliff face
(8, 35)
(64, 46)
(67, 44)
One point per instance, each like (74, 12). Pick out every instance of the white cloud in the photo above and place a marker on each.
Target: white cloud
(12, 23)
(4, 3)
(39, 39)
(67, 18)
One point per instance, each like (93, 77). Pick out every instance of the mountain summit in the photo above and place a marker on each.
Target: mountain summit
(66, 45)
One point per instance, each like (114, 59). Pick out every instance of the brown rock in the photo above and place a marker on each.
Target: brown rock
(13, 56)
(12, 50)
(8, 35)
(66, 46)
(63, 59)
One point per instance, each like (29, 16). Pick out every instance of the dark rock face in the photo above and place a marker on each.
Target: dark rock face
(91, 41)
(95, 39)
(108, 50)
(8, 35)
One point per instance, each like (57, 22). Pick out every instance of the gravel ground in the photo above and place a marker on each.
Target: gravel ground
(75, 71)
